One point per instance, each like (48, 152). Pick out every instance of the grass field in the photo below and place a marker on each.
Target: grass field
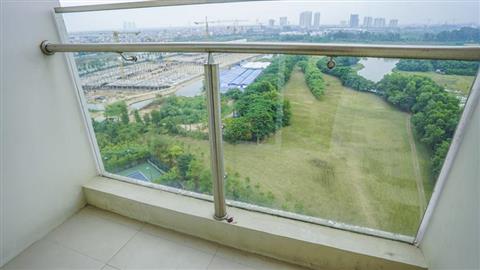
(346, 157)
(451, 82)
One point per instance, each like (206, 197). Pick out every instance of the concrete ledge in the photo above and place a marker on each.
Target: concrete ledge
(292, 241)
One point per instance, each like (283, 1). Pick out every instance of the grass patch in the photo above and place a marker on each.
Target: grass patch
(459, 83)
(345, 157)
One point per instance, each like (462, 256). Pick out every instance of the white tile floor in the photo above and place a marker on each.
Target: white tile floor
(96, 239)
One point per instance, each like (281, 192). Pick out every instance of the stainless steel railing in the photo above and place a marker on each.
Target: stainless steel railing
(327, 49)
(471, 53)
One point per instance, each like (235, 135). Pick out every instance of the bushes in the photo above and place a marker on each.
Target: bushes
(347, 75)
(313, 78)
(414, 65)
(260, 109)
(435, 112)
(445, 66)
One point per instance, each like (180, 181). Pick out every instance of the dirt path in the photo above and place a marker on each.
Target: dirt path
(422, 201)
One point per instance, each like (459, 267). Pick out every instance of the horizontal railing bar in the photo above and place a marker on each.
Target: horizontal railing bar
(381, 51)
(144, 4)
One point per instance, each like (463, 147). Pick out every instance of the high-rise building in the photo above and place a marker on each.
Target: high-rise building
(316, 20)
(283, 21)
(393, 23)
(306, 19)
(354, 20)
(271, 22)
(379, 22)
(367, 21)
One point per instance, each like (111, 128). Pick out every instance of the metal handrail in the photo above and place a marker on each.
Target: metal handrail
(469, 53)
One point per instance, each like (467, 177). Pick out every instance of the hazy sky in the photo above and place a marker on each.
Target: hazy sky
(332, 12)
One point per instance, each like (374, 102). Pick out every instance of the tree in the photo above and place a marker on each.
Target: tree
(137, 117)
(117, 111)
(237, 129)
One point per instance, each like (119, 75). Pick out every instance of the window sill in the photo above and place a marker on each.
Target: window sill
(284, 239)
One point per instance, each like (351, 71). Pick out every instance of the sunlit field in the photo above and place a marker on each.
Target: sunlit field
(349, 157)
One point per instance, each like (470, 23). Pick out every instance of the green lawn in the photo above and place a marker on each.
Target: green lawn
(345, 157)
(451, 82)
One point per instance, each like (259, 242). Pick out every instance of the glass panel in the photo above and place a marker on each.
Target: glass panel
(427, 22)
(360, 144)
(349, 144)
(142, 112)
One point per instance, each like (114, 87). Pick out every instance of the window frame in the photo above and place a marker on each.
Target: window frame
(472, 100)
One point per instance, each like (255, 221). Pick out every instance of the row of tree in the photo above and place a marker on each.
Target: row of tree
(313, 77)
(347, 75)
(457, 36)
(445, 66)
(124, 143)
(260, 109)
(435, 112)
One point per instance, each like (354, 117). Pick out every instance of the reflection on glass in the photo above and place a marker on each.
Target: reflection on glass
(361, 144)
(332, 144)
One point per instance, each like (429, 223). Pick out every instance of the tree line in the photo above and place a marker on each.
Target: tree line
(435, 112)
(347, 75)
(260, 110)
(313, 77)
(444, 66)
(125, 143)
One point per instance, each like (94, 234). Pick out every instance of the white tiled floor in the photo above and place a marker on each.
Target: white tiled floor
(96, 239)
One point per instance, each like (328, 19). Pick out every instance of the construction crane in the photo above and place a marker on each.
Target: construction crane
(207, 22)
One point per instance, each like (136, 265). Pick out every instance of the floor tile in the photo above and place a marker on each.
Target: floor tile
(90, 210)
(252, 260)
(187, 240)
(109, 267)
(219, 263)
(146, 251)
(45, 254)
(91, 235)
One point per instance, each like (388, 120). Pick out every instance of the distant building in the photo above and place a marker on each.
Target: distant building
(354, 20)
(306, 19)
(367, 22)
(316, 20)
(271, 22)
(393, 23)
(379, 22)
(283, 21)
(129, 26)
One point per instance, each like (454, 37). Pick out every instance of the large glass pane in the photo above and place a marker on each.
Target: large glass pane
(361, 144)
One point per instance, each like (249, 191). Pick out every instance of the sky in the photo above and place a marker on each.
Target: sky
(332, 12)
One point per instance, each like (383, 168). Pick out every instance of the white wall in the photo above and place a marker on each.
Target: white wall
(46, 156)
(452, 239)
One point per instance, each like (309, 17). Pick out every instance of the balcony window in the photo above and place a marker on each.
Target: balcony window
(351, 142)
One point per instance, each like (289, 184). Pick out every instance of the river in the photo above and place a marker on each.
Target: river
(375, 68)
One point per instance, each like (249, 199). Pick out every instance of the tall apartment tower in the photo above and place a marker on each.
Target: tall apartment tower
(271, 22)
(316, 20)
(283, 21)
(379, 22)
(393, 23)
(354, 20)
(367, 22)
(306, 19)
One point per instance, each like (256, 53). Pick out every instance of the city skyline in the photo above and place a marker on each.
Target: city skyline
(421, 12)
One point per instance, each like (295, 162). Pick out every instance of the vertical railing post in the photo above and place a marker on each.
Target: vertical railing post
(212, 86)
